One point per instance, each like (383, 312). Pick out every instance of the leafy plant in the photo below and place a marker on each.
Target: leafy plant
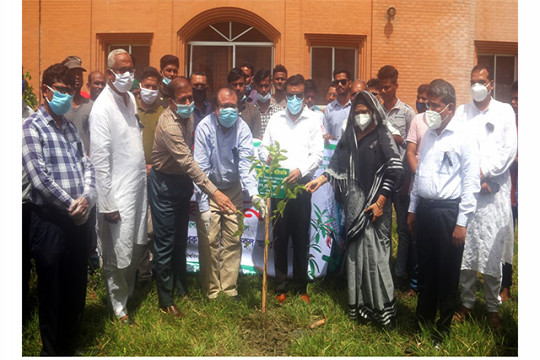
(28, 95)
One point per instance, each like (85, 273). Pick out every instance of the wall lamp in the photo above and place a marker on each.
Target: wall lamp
(391, 12)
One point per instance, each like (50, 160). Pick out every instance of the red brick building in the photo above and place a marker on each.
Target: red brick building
(424, 40)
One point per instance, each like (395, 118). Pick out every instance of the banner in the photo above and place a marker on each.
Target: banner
(327, 244)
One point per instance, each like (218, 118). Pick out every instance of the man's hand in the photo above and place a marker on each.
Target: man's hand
(458, 236)
(411, 223)
(259, 203)
(328, 137)
(206, 218)
(315, 184)
(79, 210)
(112, 217)
(148, 167)
(485, 189)
(293, 177)
(225, 205)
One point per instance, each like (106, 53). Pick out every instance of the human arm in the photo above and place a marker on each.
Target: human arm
(377, 208)
(315, 150)
(315, 184)
(458, 235)
(470, 178)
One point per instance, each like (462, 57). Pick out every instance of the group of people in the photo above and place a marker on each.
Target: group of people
(118, 166)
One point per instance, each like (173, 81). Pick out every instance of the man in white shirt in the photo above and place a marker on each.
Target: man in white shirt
(442, 201)
(494, 126)
(117, 153)
(297, 129)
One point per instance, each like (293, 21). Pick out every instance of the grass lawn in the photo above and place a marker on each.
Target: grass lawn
(224, 328)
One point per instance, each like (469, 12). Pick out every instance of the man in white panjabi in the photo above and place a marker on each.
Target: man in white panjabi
(117, 154)
(494, 126)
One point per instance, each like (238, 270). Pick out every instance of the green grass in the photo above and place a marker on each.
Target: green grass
(224, 328)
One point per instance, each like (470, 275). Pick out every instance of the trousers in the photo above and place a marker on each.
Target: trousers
(169, 202)
(492, 286)
(439, 261)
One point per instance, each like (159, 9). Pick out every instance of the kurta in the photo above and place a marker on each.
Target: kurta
(491, 225)
(116, 150)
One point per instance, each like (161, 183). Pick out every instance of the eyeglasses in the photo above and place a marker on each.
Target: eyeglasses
(62, 89)
(299, 96)
(342, 82)
(199, 86)
(332, 95)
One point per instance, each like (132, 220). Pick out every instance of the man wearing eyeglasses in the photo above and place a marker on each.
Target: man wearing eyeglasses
(223, 143)
(297, 129)
(338, 110)
(116, 150)
(62, 194)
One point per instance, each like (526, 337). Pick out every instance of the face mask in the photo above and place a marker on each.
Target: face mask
(148, 96)
(60, 103)
(434, 120)
(362, 120)
(227, 117)
(123, 82)
(421, 107)
(199, 95)
(479, 92)
(263, 99)
(184, 111)
(166, 81)
(294, 105)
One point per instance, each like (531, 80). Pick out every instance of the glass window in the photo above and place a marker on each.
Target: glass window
(504, 74)
(323, 62)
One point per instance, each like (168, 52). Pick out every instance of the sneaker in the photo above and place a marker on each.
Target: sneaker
(495, 321)
(281, 298)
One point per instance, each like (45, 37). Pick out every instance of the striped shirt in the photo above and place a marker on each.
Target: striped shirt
(56, 163)
(171, 154)
(272, 109)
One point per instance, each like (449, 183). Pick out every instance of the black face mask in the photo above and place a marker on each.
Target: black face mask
(199, 95)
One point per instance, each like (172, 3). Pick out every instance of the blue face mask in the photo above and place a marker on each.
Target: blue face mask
(227, 117)
(421, 107)
(265, 98)
(294, 104)
(184, 111)
(60, 103)
(166, 81)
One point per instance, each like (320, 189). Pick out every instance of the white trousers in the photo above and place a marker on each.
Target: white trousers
(492, 285)
(121, 282)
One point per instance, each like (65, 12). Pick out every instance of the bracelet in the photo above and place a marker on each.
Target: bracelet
(379, 205)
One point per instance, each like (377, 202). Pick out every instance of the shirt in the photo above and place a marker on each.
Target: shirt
(199, 114)
(252, 117)
(272, 109)
(171, 154)
(400, 117)
(448, 169)
(334, 116)
(417, 130)
(79, 116)
(302, 139)
(26, 112)
(223, 156)
(55, 162)
(148, 119)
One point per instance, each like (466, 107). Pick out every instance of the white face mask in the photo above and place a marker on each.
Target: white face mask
(123, 82)
(433, 119)
(362, 121)
(148, 96)
(479, 92)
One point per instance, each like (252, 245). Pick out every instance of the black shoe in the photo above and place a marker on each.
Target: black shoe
(391, 325)
(236, 299)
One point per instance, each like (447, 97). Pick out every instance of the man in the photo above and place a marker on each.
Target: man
(338, 110)
(116, 150)
(399, 116)
(63, 192)
(442, 202)
(96, 84)
(331, 94)
(265, 103)
(421, 99)
(357, 86)
(148, 112)
(199, 83)
(169, 65)
(237, 81)
(373, 87)
(508, 252)
(171, 185)
(279, 77)
(250, 93)
(297, 129)
(494, 126)
(80, 108)
(223, 143)
(310, 91)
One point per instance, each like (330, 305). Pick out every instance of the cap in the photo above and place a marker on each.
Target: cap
(73, 62)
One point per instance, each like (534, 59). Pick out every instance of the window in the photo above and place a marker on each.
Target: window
(218, 48)
(504, 73)
(140, 54)
(324, 59)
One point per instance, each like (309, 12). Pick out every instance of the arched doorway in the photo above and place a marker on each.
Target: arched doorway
(219, 47)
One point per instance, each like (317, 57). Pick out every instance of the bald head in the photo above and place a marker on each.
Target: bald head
(180, 92)
(225, 97)
(357, 86)
(178, 83)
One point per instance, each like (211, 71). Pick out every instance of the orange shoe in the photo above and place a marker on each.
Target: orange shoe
(305, 297)
(281, 298)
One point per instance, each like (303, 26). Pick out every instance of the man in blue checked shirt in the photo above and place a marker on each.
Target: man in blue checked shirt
(223, 143)
(63, 193)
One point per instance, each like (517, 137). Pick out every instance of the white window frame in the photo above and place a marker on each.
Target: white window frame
(355, 71)
(495, 66)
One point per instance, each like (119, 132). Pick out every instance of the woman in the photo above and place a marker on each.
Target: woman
(364, 170)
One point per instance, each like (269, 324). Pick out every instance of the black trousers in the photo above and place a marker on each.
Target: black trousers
(169, 203)
(60, 249)
(26, 259)
(439, 261)
(294, 223)
(506, 281)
